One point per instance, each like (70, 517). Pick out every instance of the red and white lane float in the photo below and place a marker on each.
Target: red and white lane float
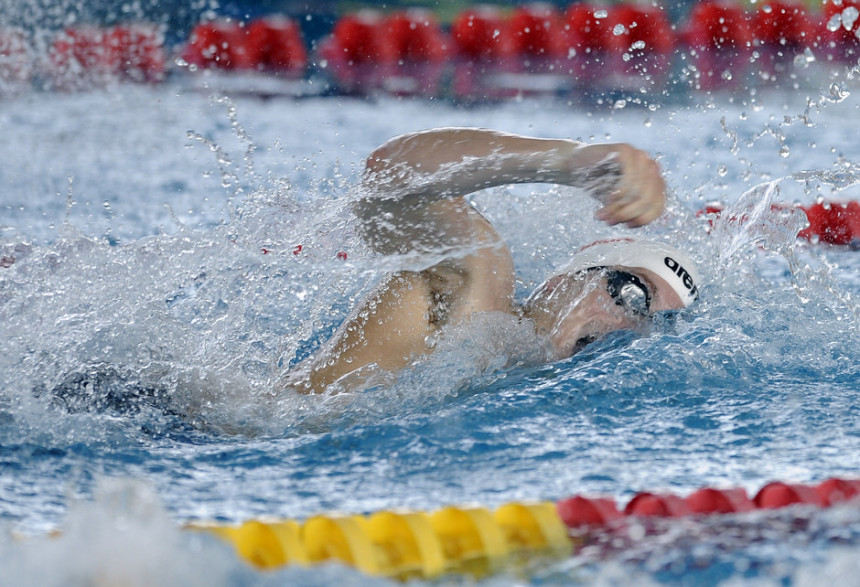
(266, 56)
(718, 38)
(277, 46)
(140, 53)
(537, 50)
(356, 57)
(642, 41)
(486, 54)
(273, 45)
(476, 540)
(582, 513)
(482, 55)
(590, 43)
(835, 223)
(16, 61)
(506, 55)
(219, 45)
(782, 32)
(832, 223)
(840, 30)
(420, 52)
(88, 56)
(622, 47)
(404, 53)
(537, 38)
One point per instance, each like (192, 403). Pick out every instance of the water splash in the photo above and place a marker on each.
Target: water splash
(125, 536)
(200, 321)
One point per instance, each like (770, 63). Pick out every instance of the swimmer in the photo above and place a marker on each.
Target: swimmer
(414, 187)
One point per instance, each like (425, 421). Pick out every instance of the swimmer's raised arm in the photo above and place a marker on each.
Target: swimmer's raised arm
(451, 162)
(413, 201)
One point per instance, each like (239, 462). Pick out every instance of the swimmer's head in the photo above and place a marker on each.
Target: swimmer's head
(608, 286)
(671, 265)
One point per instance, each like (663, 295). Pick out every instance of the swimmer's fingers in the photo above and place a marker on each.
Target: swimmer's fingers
(635, 205)
(635, 213)
(640, 196)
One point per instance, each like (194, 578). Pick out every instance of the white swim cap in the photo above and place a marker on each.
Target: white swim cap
(673, 266)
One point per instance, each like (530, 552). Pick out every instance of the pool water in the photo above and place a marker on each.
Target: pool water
(174, 254)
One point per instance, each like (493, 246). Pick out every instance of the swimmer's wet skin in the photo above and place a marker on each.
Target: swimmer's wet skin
(414, 188)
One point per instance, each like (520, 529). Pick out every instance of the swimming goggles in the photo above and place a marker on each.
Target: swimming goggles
(627, 291)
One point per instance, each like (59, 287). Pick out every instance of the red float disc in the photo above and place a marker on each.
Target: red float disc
(664, 506)
(415, 36)
(719, 501)
(777, 494)
(841, 22)
(359, 38)
(714, 25)
(140, 48)
(220, 45)
(640, 27)
(779, 23)
(537, 30)
(16, 61)
(588, 28)
(581, 511)
(278, 45)
(834, 491)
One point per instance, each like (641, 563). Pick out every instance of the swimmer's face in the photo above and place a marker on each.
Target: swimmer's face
(572, 311)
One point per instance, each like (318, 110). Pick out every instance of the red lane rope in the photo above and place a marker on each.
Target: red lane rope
(834, 223)
(587, 41)
(582, 512)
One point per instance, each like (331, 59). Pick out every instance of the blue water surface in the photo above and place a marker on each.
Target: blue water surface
(155, 257)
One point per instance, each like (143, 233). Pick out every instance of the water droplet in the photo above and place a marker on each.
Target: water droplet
(722, 171)
(618, 30)
(849, 17)
(601, 14)
(784, 151)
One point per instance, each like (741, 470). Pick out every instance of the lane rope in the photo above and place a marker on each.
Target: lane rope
(479, 541)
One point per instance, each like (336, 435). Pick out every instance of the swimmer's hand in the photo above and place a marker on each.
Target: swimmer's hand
(639, 196)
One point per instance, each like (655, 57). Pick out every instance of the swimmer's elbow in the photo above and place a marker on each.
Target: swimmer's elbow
(387, 156)
(381, 174)
(378, 161)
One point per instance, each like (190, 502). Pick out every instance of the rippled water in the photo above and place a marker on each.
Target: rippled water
(158, 291)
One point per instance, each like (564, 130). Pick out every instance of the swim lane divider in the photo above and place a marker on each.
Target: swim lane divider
(480, 541)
